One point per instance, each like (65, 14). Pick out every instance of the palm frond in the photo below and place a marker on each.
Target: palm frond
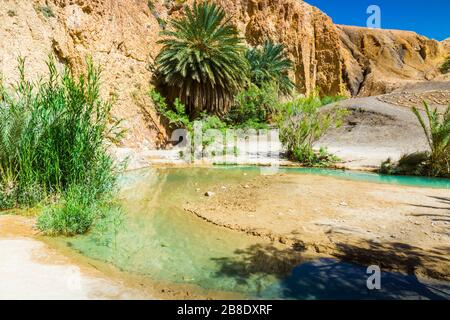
(202, 61)
(268, 64)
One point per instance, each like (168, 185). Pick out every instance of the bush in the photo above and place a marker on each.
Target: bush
(254, 107)
(53, 140)
(331, 99)
(46, 11)
(301, 124)
(176, 116)
(409, 164)
(73, 215)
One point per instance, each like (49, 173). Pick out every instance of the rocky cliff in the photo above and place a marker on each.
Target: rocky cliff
(379, 61)
(121, 36)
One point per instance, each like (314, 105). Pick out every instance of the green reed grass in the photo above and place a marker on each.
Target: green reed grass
(53, 147)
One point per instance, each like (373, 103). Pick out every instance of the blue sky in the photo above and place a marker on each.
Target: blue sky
(430, 18)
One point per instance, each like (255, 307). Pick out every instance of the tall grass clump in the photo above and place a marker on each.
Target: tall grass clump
(53, 140)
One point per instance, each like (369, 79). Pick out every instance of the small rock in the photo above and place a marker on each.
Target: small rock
(224, 188)
(198, 189)
(344, 204)
(246, 186)
(209, 193)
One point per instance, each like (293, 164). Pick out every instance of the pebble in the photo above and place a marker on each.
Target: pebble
(343, 203)
(209, 193)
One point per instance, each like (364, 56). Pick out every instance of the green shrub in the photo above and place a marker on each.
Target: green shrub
(331, 99)
(302, 123)
(445, 68)
(46, 11)
(74, 214)
(254, 107)
(53, 140)
(176, 116)
(409, 164)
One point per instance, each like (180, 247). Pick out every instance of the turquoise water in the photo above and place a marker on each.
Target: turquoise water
(158, 239)
(413, 181)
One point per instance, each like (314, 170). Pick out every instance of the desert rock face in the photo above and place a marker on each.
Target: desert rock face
(119, 35)
(122, 36)
(379, 61)
(310, 37)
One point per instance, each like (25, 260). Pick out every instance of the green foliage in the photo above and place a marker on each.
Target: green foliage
(202, 60)
(46, 11)
(74, 214)
(445, 68)
(253, 107)
(331, 99)
(409, 164)
(53, 138)
(301, 123)
(434, 163)
(269, 65)
(176, 116)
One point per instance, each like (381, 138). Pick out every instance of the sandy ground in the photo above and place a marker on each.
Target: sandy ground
(401, 228)
(33, 267)
(384, 126)
(30, 269)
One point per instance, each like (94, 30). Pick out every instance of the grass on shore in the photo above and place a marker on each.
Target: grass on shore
(53, 136)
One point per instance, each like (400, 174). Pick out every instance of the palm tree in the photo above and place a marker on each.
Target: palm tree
(202, 61)
(437, 133)
(269, 64)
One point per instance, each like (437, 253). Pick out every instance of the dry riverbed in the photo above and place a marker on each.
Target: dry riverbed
(401, 228)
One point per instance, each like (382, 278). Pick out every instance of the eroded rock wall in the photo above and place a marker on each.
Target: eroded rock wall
(379, 61)
(120, 36)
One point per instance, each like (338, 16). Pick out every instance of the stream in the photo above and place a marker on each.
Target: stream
(158, 239)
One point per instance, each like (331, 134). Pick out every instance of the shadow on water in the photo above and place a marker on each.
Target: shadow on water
(334, 278)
